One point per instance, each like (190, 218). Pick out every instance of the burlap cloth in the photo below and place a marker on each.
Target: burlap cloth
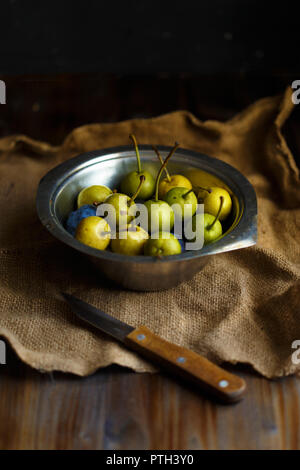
(244, 305)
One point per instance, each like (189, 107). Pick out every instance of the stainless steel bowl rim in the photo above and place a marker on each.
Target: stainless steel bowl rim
(242, 235)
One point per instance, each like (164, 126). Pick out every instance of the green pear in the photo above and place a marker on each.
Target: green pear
(160, 214)
(123, 206)
(206, 224)
(184, 203)
(130, 183)
(162, 244)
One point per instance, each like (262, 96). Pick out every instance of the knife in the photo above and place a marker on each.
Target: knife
(178, 360)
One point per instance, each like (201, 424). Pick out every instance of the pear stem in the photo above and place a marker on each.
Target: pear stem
(161, 161)
(142, 179)
(203, 189)
(132, 137)
(186, 194)
(218, 214)
(162, 169)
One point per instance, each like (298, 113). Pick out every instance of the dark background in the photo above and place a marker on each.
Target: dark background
(68, 63)
(138, 36)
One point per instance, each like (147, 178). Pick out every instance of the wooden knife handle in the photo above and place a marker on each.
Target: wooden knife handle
(188, 365)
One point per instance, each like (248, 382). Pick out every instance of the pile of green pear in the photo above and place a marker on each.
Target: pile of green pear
(158, 195)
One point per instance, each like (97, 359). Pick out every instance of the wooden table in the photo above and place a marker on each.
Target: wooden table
(119, 409)
(116, 408)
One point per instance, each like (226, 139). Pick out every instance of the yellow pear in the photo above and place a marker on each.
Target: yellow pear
(133, 244)
(171, 181)
(203, 179)
(175, 181)
(213, 199)
(95, 193)
(93, 231)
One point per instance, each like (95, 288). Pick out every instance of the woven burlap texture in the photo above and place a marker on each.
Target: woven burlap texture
(242, 307)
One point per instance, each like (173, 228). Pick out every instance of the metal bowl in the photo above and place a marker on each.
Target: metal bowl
(58, 190)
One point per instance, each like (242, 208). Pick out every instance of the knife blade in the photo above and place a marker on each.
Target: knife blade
(187, 364)
(92, 315)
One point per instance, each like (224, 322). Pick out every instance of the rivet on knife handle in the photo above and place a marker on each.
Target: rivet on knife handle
(187, 364)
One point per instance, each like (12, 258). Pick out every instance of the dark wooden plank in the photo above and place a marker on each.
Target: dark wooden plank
(118, 409)
(48, 107)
